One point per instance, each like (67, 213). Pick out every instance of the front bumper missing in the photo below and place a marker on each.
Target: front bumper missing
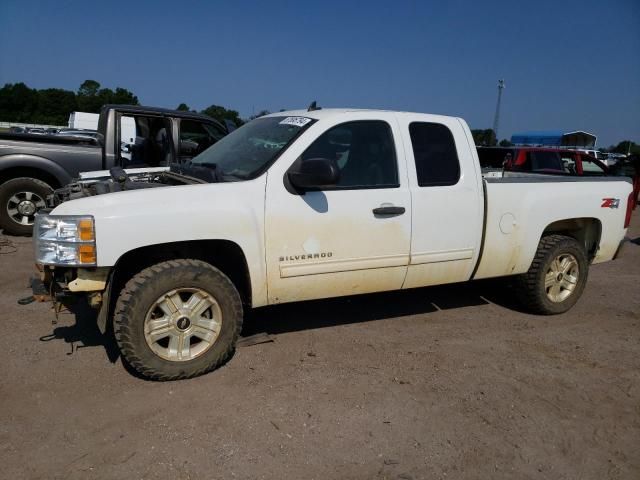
(47, 292)
(64, 286)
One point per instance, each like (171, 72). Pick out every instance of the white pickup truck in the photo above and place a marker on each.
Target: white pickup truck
(314, 204)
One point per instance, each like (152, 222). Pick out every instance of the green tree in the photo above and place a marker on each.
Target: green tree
(123, 96)
(183, 107)
(91, 97)
(261, 113)
(89, 88)
(221, 114)
(505, 143)
(484, 137)
(54, 106)
(627, 146)
(18, 103)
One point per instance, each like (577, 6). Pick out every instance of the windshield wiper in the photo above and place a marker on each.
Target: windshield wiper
(208, 172)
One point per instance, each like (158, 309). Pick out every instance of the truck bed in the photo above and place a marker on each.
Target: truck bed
(521, 207)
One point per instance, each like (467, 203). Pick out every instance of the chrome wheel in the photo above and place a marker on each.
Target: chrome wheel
(561, 277)
(182, 324)
(22, 207)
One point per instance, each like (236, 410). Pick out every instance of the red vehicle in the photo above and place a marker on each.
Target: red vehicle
(629, 167)
(555, 161)
(541, 160)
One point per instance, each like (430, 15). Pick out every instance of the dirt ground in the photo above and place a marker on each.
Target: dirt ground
(447, 382)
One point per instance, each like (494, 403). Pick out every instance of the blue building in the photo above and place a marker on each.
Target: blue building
(555, 138)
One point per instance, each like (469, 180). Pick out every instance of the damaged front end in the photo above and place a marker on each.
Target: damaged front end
(118, 180)
(66, 259)
(64, 287)
(121, 180)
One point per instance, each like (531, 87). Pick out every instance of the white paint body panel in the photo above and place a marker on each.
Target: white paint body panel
(368, 253)
(437, 240)
(534, 206)
(446, 220)
(128, 220)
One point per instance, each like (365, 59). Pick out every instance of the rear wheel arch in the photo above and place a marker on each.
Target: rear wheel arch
(587, 231)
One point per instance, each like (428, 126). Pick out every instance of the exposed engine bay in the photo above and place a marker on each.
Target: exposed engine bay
(119, 181)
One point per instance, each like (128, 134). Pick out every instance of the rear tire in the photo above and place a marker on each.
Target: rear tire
(20, 199)
(557, 276)
(177, 319)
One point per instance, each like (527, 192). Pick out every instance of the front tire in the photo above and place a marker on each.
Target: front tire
(557, 276)
(177, 319)
(20, 199)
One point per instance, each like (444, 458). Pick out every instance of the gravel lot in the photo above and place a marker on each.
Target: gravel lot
(447, 382)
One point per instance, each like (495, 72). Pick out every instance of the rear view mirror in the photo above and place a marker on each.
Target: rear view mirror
(315, 173)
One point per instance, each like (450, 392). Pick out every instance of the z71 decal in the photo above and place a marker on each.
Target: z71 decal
(610, 203)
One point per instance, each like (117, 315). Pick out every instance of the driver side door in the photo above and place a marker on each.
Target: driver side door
(341, 239)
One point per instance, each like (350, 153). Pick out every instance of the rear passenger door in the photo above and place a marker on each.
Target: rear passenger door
(446, 197)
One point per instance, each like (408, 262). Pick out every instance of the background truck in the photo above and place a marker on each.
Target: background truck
(314, 204)
(128, 136)
(83, 120)
(554, 161)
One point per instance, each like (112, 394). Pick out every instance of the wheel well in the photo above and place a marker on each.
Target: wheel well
(225, 255)
(17, 172)
(587, 231)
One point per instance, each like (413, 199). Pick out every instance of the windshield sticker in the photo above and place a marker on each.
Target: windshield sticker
(295, 121)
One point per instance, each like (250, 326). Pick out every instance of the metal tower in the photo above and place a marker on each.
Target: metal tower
(496, 118)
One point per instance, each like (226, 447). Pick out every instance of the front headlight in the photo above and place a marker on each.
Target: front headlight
(68, 240)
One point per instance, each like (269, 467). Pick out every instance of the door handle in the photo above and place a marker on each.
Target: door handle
(388, 210)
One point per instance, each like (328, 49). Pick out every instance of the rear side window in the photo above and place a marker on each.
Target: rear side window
(590, 167)
(545, 161)
(435, 154)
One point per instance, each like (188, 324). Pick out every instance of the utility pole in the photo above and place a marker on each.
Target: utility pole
(496, 118)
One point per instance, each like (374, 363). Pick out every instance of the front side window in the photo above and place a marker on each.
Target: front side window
(434, 151)
(364, 152)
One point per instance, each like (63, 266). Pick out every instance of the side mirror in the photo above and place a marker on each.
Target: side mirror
(315, 173)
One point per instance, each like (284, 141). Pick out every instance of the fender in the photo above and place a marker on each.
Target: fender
(18, 160)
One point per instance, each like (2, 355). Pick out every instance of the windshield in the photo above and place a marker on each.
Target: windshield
(248, 151)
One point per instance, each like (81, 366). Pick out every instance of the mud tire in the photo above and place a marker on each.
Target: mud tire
(143, 289)
(530, 286)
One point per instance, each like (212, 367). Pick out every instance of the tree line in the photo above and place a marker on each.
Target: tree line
(52, 106)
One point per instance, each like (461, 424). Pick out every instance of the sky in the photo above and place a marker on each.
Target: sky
(572, 65)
